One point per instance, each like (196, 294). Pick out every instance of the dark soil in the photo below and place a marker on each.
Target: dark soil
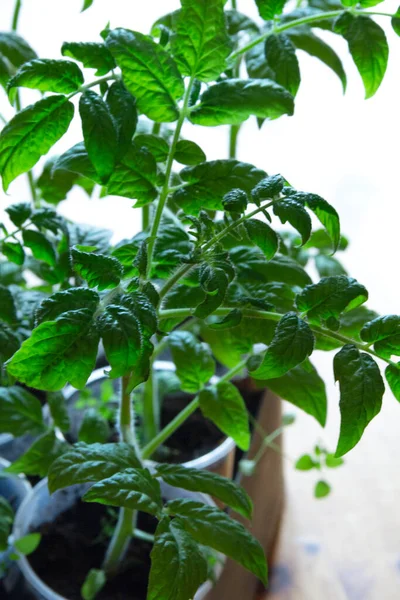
(75, 543)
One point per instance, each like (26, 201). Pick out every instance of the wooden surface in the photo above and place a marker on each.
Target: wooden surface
(347, 546)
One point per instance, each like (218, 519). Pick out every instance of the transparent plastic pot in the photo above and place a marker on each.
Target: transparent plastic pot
(39, 508)
(219, 460)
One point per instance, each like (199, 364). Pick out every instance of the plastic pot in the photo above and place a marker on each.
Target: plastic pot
(219, 460)
(40, 508)
(14, 489)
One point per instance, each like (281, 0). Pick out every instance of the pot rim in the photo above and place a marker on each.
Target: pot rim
(213, 457)
(39, 585)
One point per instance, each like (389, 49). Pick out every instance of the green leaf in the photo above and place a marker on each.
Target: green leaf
(384, 333)
(232, 319)
(268, 9)
(94, 428)
(103, 272)
(328, 266)
(189, 153)
(303, 387)
(263, 236)
(292, 210)
(210, 181)
(14, 252)
(99, 133)
(20, 412)
(5, 72)
(55, 185)
(148, 72)
(281, 58)
(210, 526)
(322, 489)
(27, 544)
(7, 306)
(91, 55)
(392, 374)
(193, 359)
(122, 106)
(58, 410)
(327, 299)
(292, 343)
(73, 299)
(214, 280)
(233, 101)
(31, 134)
(38, 459)
(57, 352)
(210, 483)
(95, 579)
(224, 406)
(86, 4)
(304, 39)
(238, 22)
(15, 48)
(396, 22)
(306, 463)
(178, 566)
(131, 488)
(368, 47)
(325, 213)
(86, 463)
(48, 75)
(135, 177)
(6, 522)
(256, 63)
(9, 342)
(77, 161)
(332, 462)
(155, 144)
(42, 248)
(361, 391)
(19, 213)
(200, 43)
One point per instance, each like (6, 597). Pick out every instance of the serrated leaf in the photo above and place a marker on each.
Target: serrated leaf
(93, 584)
(384, 333)
(42, 248)
(292, 210)
(233, 101)
(15, 48)
(38, 459)
(303, 387)
(327, 299)
(193, 359)
(57, 352)
(99, 270)
(304, 39)
(212, 527)
(214, 280)
(48, 75)
(263, 236)
(76, 160)
(200, 42)
(73, 299)
(155, 144)
(281, 57)
(6, 522)
(361, 391)
(207, 482)
(292, 343)
(27, 544)
(392, 373)
(94, 428)
(55, 185)
(224, 406)
(268, 9)
(189, 153)
(148, 72)
(122, 106)
(131, 488)
(368, 47)
(31, 134)
(99, 133)
(327, 215)
(86, 463)
(256, 64)
(210, 181)
(20, 412)
(178, 567)
(135, 177)
(91, 55)
(19, 213)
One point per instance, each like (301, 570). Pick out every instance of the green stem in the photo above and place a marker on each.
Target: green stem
(143, 535)
(183, 416)
(145, 216)
(234, 4)
(233, 137)
(16, 14)
(35, 197)
(156, 128)
(124, 530)
(164, 192)
(88, 86)
(150, 410)
(302, 21)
